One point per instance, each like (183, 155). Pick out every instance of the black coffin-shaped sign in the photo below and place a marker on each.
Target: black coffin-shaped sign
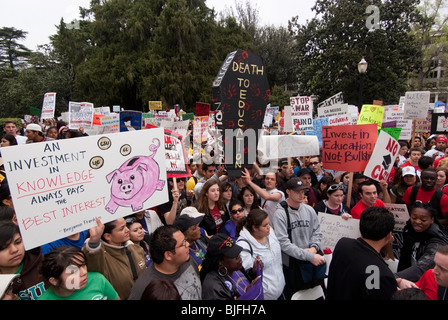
(240, 96)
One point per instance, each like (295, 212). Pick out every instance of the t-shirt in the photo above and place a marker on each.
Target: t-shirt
(427, 283)
(425, 196)
(361, 206)
(216, 215)
(97, 288)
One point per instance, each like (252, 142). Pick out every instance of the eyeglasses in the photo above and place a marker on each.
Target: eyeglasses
(183, 244)
(334, 187)
(234, 211)
(314, 163)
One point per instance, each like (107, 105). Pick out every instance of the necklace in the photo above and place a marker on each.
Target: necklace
(198, 251)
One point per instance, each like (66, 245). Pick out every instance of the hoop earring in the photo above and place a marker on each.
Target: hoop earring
(222, 274)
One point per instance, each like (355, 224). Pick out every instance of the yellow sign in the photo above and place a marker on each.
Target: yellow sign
(155, 105)
(371, 114)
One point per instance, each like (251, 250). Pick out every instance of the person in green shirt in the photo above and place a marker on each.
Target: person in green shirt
(65, 269)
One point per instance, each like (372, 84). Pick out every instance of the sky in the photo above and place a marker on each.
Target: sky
(40, 17)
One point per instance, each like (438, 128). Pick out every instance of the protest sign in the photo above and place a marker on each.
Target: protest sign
(188, 116)
(424, 126)
(335, 110)
(130, 120)
(48, 106)
(301, 113)
(240, 94)
(439, 123)
(80, 114)
(339, 120)
(348, 148)
(333, 228)
(336, 99)
(110, 123)
(383, 157)
(200, 127)
(202, 109)
(401, 215)
(287, 120)
(155, 105)
(180, 127)
(396, 113)
(317, 128)
(175, 156)
(416, 105)
(284, 146)
(60, 187)
(371, 114)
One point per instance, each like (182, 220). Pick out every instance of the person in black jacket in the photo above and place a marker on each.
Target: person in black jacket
(421, 237)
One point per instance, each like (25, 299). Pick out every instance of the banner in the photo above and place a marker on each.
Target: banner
(48, 106)
(284, 146)
(348, 148)
(240, 96)
(60, 187)
(383, 157)
(130, 120)
(80, 115)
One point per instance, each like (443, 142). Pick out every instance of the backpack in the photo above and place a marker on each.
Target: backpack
(435, 200)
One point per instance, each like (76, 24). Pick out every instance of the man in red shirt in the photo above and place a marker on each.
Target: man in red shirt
(425, 194)
(369, 198)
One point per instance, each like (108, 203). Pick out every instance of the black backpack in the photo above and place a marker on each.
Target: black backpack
(435, 200)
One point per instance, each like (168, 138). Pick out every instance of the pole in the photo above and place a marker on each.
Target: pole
(361, 88)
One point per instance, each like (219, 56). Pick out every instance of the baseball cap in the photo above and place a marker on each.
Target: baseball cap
(34, 127)
(191, 212)
(444, 139)
(295, 184)
(222, 244)
(183, 222)
(408, 171)
(303, 171)
(283, 161)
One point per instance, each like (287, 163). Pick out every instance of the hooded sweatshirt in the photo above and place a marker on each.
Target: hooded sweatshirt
(271, 256)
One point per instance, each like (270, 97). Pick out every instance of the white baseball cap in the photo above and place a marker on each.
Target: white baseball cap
(408, 171)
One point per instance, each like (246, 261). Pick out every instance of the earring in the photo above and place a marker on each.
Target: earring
(222, 274)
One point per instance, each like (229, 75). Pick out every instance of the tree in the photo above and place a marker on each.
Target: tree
(12, 54)
(330, 46)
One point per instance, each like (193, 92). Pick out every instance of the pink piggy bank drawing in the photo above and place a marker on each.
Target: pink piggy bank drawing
(135, 181)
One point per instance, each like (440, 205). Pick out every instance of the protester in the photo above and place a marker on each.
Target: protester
(211, 172)
(149, 220)
(315, 165)
(414, 155)
(439, 149)
(354, 261)
(34, 133)
(226, 191)
(249, 199)
(169, 250)
(236, 222)
(270, 195)
(256, 239)
(355, 195)
(369, 197)
(408, 178)
(403, 153)
(188, 222)
(223, 276)
(110, 252)
(177, 200)
(76, 240)
(65, 269)
(421, 237)
(29, 285)
(161, 289)
(299, 234)
(52, 132)
(8, 140)
(210, 203)
(8, 214)
(334, 202)
(137, 235)
(10, 127)
(442, 178)
(313, 194)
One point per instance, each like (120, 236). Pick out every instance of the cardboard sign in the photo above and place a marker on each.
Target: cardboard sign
(333, 228)
(155, 105)
(396, 113)
(48, 105)
(401, 215)
(383, 157)
(371, 114)
(317, 128)
(301, 113)
(335, 110)
(336, 99)
(348, 148)
(202, 109)
(416, 105)
(60, 187)
(80, 114)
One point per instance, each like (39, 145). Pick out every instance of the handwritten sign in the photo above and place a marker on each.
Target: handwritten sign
(383, 157)
(80, 114)
(130, 120)
(301, 113)
(155, 105)
(348, 148)
(371, 114)
(334, 110)
(336, 99)
(48, 105)
(333, 228)
(401, 215)
(439, 123)
(60, 187)
(416, 105)
(317, 128)
(396, 113)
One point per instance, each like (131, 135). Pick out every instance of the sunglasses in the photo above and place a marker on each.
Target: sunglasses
(234, 211)
(314, 163)
(335, 187)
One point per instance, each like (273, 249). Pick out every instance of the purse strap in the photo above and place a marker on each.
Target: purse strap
(131, 262)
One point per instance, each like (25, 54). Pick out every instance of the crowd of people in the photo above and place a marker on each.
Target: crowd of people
(256, 236)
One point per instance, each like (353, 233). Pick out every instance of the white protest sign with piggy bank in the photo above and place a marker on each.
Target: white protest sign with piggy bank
(60, 187)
